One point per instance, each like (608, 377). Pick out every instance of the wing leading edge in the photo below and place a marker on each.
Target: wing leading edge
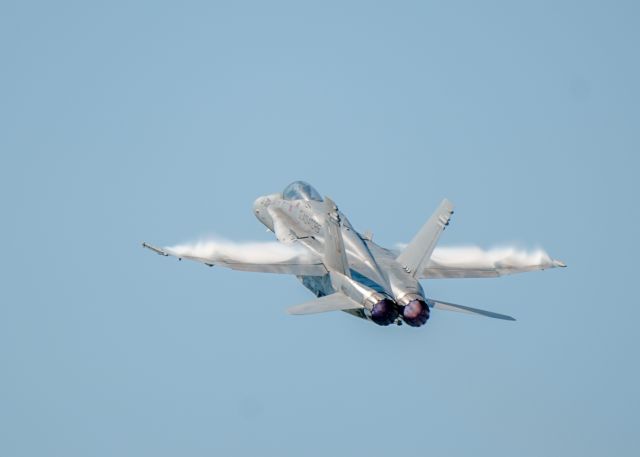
(306, 265)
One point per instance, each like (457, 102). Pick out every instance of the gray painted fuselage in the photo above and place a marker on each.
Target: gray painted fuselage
(371, 265)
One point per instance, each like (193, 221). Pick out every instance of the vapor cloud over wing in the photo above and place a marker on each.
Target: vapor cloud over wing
(500, 257)
(221, 250)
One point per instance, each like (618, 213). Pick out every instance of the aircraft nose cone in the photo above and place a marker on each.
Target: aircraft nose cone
(261, 210)
(259, 205)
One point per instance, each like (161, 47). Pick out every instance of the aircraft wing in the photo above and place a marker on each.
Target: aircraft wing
(306, 265)
(471, 262)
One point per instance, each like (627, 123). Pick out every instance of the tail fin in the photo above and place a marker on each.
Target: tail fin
(335, 257)
(417, 254)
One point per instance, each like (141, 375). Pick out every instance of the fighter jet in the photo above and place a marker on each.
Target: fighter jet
(347, 271)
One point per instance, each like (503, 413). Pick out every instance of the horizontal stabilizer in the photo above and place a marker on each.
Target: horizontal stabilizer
(466, 309)
(334, 302)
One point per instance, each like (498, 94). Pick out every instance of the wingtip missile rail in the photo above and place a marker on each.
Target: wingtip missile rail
(154, 249)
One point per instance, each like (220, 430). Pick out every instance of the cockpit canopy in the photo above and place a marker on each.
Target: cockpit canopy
(300, 190)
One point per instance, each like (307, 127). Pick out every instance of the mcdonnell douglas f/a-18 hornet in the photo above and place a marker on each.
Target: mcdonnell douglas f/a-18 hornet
(345, 269)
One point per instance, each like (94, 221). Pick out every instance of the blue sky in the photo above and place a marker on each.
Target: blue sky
(133, 121)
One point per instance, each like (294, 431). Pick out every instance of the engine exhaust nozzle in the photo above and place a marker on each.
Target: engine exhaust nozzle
(384, 312)
(415, 313)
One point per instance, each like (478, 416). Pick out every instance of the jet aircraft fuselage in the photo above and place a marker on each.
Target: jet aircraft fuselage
(347, 271)
(299, 215)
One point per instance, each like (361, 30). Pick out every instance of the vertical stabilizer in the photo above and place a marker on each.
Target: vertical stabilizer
(416, 255)
(335, 257)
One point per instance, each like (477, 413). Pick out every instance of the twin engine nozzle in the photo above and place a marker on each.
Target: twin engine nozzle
(380, 307)
(414, 313)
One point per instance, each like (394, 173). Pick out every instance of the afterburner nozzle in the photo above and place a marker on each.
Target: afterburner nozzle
(415, 313)
(384, 312)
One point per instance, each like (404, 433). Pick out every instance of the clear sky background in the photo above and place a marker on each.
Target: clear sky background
(129, 121)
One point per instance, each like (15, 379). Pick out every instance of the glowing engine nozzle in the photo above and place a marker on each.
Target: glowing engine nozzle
(415, 313)
(384, 312)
